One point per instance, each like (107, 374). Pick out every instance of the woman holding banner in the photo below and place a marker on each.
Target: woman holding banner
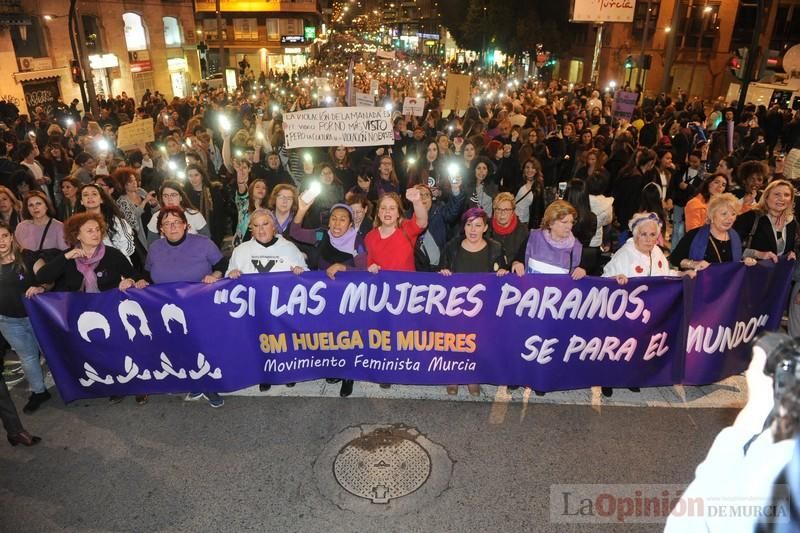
(339, 249)
(769, 231)
(505, 226)
(266, 252)
(90, 265)
(181, 256)
(552, 249)
(715, 242)
(640, 256)
(470, 253)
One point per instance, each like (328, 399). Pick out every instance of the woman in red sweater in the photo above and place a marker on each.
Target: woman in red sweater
(390, 246)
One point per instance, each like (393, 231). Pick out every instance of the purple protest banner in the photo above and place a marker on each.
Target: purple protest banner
(547, 332)
(730, 305)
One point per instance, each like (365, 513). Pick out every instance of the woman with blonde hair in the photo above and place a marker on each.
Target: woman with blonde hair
(716, 241)
(552, 249)
(768, 231)
(505, 227)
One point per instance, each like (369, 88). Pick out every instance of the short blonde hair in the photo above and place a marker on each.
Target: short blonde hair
(556, 211)
(504, 197)
(718, 202)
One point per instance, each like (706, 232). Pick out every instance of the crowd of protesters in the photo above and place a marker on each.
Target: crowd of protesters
(532, 178)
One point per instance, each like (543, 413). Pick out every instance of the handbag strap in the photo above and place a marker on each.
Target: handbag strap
(44, 235)
(746, 245)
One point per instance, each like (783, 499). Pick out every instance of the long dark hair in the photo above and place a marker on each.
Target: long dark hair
(108, 208)
(577, 195)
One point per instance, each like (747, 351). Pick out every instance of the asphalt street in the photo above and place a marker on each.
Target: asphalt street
(255, 464)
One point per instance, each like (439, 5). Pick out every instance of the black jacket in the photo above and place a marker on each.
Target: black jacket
(64, 273)
(763, 239)
(497, 256)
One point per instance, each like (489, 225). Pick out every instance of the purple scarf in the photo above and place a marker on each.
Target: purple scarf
(569, 242)
(87, 266)
(346, 243)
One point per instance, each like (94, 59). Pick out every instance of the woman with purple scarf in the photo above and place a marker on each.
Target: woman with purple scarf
(339, 249)
(552, 249)
(89, 266)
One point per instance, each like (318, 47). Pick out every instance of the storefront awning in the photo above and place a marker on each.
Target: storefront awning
(33, 75)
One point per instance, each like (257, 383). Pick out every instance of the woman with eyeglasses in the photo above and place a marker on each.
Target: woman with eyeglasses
(505, 227)
(171, 194)
(182, 256)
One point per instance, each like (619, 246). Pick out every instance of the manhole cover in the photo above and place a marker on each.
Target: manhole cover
(382, 465)
(382, 469)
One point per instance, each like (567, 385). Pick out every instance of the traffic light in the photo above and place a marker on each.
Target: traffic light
(629, 62)
(75, 70)
(737, 62)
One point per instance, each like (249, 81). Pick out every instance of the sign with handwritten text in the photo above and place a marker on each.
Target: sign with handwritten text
(136, 134)
(544, 331)
(338, 126)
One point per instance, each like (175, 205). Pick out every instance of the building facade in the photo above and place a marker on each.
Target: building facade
(706, 34)
(131, 46)
(276, 35)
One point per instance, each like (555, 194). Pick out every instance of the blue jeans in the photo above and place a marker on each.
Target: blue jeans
(678, 225)
(19, 334)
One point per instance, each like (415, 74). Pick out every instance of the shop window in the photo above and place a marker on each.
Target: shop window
(172, 32)
(135, 34)
(245, 29)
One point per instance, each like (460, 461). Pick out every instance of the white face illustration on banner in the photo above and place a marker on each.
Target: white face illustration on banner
(171, 314)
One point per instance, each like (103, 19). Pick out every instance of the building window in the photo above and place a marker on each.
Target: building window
(291, 26)
(172, 32)
(92, 31)
(273, 33)
(640, 16)
(28, 40)
(135, 34)
(245, 29)
(701, 25)
(210, 29)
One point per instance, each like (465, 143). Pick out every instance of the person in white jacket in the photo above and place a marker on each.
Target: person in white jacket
(738, 476)
(267, 251)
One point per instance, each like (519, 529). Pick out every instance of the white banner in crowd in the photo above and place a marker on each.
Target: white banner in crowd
(413, 106)
(603, 10)
(385, 54)
(338, 126)
(364, 100)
